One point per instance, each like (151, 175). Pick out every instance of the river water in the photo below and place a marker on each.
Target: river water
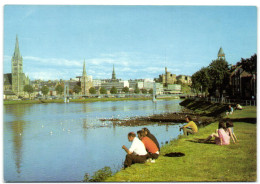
(61, 142)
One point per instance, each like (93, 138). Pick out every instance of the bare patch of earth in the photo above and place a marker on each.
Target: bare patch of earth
(162, 119)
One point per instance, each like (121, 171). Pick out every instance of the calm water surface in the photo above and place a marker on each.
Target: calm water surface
(62, 142)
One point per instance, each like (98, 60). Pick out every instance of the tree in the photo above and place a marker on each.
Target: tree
(125, 89)
(151, 91)
(144, 91)
(113, 90)
(77, 89)
(201, 80)
(250, 64)
(218, 71)
(92, 90)
(29, 89)
(103, 90)
(137, 90)
(45, 90)
(59, 88)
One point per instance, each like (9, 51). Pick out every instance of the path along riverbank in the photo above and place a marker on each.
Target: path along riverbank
(203, 161)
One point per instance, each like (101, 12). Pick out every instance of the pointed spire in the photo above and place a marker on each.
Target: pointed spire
(221, 53)
(113, 73)
(84, 70)
(17, 50)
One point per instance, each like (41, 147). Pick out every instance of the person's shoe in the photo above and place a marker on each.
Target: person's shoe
(152, 161)
(149, 160)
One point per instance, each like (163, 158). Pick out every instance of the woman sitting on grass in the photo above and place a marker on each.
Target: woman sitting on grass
(221, 136)
(230, 131)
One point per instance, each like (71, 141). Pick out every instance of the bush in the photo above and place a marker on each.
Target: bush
(99, 175)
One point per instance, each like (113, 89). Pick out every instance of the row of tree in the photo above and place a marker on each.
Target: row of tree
(216, 76)
(59, 89)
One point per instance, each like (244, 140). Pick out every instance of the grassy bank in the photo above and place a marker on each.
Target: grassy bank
(203, 161)
(83, 100)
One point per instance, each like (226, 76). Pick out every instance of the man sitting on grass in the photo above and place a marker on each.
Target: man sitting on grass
(191, 127)
(136, 153)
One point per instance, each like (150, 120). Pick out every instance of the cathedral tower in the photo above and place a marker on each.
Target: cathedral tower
(17, 70)
(113, 74)
(84, 81)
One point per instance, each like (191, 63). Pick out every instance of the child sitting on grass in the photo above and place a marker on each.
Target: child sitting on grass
(221, 136)
(230, 131)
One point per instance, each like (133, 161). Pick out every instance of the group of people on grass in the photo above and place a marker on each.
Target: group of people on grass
(223, 134)
(146, 147)
(230, 109)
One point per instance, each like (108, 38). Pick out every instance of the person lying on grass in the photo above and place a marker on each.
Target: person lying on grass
(230, 131)
(221, 136)
(150, 146)
(191, 127)
(136, 153)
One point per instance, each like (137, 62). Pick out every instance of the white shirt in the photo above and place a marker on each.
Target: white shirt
(138, 147)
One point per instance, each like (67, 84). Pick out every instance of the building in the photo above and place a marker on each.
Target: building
(14, 82)
(167, 78)
(184, 79)
(85, 81)
(221, 54)
(243, 84)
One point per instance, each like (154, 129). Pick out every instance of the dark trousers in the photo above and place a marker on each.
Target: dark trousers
(132, 159)
(153, 155)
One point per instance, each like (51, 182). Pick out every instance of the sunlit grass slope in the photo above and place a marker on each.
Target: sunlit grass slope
(203, 161)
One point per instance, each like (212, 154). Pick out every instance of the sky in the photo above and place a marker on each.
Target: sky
(140, 41)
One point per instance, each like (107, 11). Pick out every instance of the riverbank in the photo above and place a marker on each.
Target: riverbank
(203, 161)
(82, 100)
(202, 113)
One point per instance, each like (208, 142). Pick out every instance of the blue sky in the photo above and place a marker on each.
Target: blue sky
(139, 40)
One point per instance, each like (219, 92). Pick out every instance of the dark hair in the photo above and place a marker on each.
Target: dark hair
(131, 134)
(221, 125)
(189, 118)
(146, 130)
(229, 124)
(141, 133)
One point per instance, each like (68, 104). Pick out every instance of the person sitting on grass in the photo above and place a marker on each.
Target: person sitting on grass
(221, 136)
(136, 153)
(230, 131)
(150, 146)
(239, 107)
(151, 136)
(230, 110)
(191, 127)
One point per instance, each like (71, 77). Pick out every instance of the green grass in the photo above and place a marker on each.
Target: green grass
(202, 161)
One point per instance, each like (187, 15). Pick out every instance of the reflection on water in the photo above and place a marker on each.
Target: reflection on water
(62, 142)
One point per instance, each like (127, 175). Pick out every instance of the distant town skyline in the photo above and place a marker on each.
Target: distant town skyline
(140, 41)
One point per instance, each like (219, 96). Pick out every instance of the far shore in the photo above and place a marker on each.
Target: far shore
(82, 100)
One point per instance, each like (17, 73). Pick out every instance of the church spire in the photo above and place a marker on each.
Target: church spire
(221, 54)
(17, 50)
(84, 70)
(113, 74)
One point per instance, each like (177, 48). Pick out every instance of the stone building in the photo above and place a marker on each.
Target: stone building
(184, 79)
(243, 84)
(14, 82)
(114, 82)
(167, 78)
(86, 82)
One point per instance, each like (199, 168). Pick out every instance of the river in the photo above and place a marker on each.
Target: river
(61, 142)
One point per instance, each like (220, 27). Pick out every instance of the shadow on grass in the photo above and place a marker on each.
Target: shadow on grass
(247, 120)
(201, 141)
(174, 154)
